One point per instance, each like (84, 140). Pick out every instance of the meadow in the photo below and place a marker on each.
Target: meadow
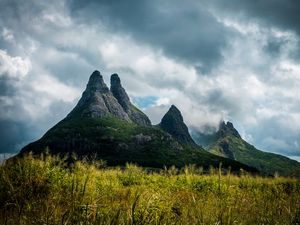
(46, 190)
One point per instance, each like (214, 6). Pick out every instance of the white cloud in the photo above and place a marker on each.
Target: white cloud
(16, 67)
(8, 35)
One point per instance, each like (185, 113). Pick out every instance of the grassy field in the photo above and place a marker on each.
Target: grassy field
(46, 191)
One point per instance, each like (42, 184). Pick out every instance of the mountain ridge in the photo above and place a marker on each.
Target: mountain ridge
(105, 123)
(227, 142)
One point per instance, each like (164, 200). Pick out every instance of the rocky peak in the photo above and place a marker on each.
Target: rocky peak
(96, 83)
(228, 129)
(97, 101)
(120, 94)
(115, 80)
(175, 113)
(173, 123)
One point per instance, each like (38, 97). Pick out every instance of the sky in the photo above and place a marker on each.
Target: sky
(236, 61)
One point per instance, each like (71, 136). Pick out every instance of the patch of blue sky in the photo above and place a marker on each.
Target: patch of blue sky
(144, 102)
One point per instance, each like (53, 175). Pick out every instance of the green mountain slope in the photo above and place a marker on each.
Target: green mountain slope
(227, 142)
(99, 125)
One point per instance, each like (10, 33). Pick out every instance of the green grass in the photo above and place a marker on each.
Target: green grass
(46, 191)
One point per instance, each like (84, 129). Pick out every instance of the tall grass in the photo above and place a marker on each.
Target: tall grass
(46, 191)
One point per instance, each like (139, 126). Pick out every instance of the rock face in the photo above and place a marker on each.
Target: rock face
(120, 94)
(173, 123)
(97, 101)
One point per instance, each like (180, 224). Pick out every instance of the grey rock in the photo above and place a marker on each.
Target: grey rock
(142, 139)
(120, 94)
(97, 101)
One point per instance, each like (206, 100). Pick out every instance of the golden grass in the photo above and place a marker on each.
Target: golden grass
(46, 191)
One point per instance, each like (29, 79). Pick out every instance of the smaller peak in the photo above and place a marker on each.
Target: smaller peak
(222, 124)
(174, 107)
(228, 128)
(115, 80)
(174, 111)
(172, 122)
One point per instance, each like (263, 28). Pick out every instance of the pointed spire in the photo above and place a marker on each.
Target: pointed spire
(119, 92)
(97, 101)
(173, 123)
(115, 80)
(96, 83)
(174, 111)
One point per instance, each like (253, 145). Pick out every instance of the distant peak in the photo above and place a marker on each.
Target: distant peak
(228, 128)
(96, 82)
(229, 124)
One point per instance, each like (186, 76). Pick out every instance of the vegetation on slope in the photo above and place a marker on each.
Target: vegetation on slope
(227, 142)
(268, 163)
(46, 191)
(117, 142)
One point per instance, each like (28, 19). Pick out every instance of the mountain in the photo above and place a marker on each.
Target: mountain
(227, 142)
(106, 124)
(172, 123)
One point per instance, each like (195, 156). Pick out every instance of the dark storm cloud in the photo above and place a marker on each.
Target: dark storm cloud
(13, 134)
(277, 139)
(6, 88)
(283, 14)
(280, 14)
(155, 46)
(183, 31)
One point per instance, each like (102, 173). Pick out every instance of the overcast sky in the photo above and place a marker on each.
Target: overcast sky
(214, 59)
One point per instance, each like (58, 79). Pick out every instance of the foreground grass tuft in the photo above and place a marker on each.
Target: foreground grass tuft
(46, 191)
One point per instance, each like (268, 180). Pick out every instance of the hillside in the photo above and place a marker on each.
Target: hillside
(227, 142)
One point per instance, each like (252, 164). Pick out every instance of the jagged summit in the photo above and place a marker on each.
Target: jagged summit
(97, 101)
(120, 94)
(227, 128)
(173, 123)
(96, 83)
(115, 80)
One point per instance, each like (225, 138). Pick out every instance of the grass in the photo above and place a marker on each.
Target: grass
(46, 191)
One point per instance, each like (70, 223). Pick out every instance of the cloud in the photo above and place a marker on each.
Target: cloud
(185, 32)
(14, 67)
(214, 60)
(280, 14)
